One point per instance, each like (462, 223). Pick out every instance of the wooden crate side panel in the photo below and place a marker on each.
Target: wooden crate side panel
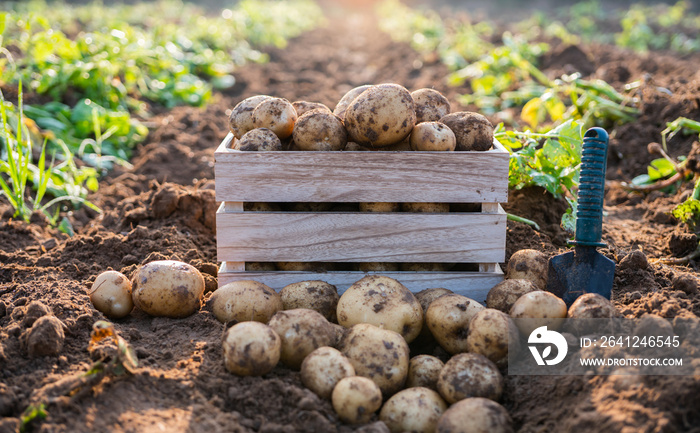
(447, 177)
(360, 237)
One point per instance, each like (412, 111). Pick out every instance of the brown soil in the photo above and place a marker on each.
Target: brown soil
(165, 208)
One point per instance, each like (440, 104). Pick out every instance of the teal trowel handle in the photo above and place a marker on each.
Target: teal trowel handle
(591, 191)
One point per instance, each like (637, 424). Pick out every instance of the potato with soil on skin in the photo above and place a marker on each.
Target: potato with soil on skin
(259, 140)
(426, 296)
(302, 331)
(167, 288)
(45, 337)
(319, 130)
(503, 295)
(378, 354)
(489, 333)
(355, 399)
(261, 207)
(302, 107)
(424, 370)
(251, 349)
(241, 119)
(470, 375)
(432, 137)
(448, 318)
(538, 308)
(424, 267)
(413, 410)
(305, 266)
(381, 116)
(323, 368)
(377, 267)
(354, 147)
(277, 115)
(260, 266)
(529, 265)
(245, 300)
(380, 207)
(111, 294)
(347, 99)
(475, 415)
(425, 207)
(472, 130)
(430, 104)
(315, 295)
(592, 306)
(383, 302)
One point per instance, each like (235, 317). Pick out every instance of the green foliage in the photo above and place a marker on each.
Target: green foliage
(31, 415)
(688, 212)
(658, 169)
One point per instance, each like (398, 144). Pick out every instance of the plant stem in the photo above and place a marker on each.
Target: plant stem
(520, 219)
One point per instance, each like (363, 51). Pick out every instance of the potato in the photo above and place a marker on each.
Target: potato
(347, 99)
(315, 295)
(426, 296)
(320, 131)
(355, 399)
(503, 295)
(277, 115)
(354, 147)
(383, 302)
(302, 331)
(340, 332)
(475, 415)
(472, 130)
(425, 207)
(448, 319)
(378, 354)
(241, 119)
(377, 267)
(259, 140)
(167, 288)
(489, 333)
(323, 368)
(424, 370)
(260, 266)
(402, 146)
(245, 300)
(379, 207)
(433, 137)
(380, 116)
(424, 267)
(310, 207)
(470, 375)
(528, 265)
(430, 104)
(251, 349)
(304, 266)
(538, 308)
(261, 207)
(302, 107)
(592, 306)
(111, 294)
(413, 410)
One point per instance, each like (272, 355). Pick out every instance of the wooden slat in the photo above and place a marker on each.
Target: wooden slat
(361, 237)
(475, 285)
(447, 177)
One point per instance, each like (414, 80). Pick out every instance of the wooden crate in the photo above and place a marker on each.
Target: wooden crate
(339, 177)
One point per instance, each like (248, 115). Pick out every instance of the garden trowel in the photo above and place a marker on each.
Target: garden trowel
(584, 270)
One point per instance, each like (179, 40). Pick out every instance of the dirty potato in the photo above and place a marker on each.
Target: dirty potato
(379, 207)
(355, 399)
(111, 294)
(432, 137)
(529, 265)
(259, 140)
(413, 410)
(323, 368)
(503, 295)
(424, 267)
(167, 288)
(472, 130)
(426, 296)
(424, 370)
(277, 115)
(251, 349)
(448, 318)
(377, 267)
(425, 207)
(383, 302)
(241, 119)
(538, 308)
(469, 375)
(475, 415)
(302, 331)
(592, 306)
(381, 116)
(347, 99)
(431, 105)
(245, 300)
(315, 295)
(319, 130)
(489, 333)
(302, 107)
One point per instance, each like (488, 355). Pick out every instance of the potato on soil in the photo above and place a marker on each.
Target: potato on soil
(355, 399)
(167, 288)
(277, 115)
(538, 308)
(323, 368)
(432, 137)
(259, 140)
(378, 354)
(475, 415)
(489, 333)
(251, 349)
(319, 130)
(528, 265)
(45, 337)
(379, 207)
(413, 410)
(425, 207)
(302, 331)
(472, 130)
(302, 107)
(314, 295)
(503, 295)
(592, 306)
(448, 318)
(347, 99)
(470, 375)
(383, 302)
(245, 300)
(241, 119)
(111, 294)
(381, 116)
(430, 104)
(426, 296)
(424, 370)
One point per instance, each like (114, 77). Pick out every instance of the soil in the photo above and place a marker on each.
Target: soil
(164, 208)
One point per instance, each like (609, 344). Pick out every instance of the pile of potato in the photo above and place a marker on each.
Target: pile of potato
(369, 117)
